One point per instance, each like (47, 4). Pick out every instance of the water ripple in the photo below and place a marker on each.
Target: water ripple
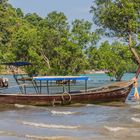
(62, 112)
(135, 119)
(49, 138)
(114, 129)
(50, 125)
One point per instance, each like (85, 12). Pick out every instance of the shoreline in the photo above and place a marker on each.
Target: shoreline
(95, 72)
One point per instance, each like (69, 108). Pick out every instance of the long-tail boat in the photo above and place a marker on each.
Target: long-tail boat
(64, 93)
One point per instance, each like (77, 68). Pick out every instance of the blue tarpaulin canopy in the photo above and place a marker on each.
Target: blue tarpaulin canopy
(56, 78)
(68, 79)
(17, 64)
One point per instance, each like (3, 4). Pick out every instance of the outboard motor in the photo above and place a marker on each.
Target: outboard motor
(3, 82)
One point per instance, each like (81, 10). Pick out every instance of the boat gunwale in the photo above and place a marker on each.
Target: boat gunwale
(113, 84)
(80, 92)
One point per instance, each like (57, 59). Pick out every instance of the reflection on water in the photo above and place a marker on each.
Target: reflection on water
(91, 122)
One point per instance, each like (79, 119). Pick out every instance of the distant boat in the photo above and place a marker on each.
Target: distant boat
(115, 92)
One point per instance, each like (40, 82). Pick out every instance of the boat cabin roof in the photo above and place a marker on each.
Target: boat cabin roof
(17, 64)
(57, 78)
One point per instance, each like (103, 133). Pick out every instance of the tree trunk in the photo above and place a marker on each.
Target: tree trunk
(118, 77)
(46, 59)
(133, 51)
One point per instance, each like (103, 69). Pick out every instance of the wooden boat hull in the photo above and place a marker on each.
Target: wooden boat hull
(92, 96)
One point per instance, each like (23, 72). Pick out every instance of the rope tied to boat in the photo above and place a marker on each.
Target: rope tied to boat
(64, 97)
(136, 94)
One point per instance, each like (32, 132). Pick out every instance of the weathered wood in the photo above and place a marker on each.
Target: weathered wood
(117, 92)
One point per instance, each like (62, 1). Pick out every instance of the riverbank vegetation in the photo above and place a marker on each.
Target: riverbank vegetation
(56, 47)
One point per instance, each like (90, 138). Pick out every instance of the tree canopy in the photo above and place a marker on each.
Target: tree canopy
(56, 47)
(118, 17)
(51, 43)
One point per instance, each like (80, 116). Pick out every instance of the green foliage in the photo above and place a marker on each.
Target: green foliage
(19, 12)
(57, 21)
(33, 18)
(57, 48)
(82, 35)
(119, 17)
(69, 59)
(115, 58)
(7, 28)
(46, 42)
(94, 58)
